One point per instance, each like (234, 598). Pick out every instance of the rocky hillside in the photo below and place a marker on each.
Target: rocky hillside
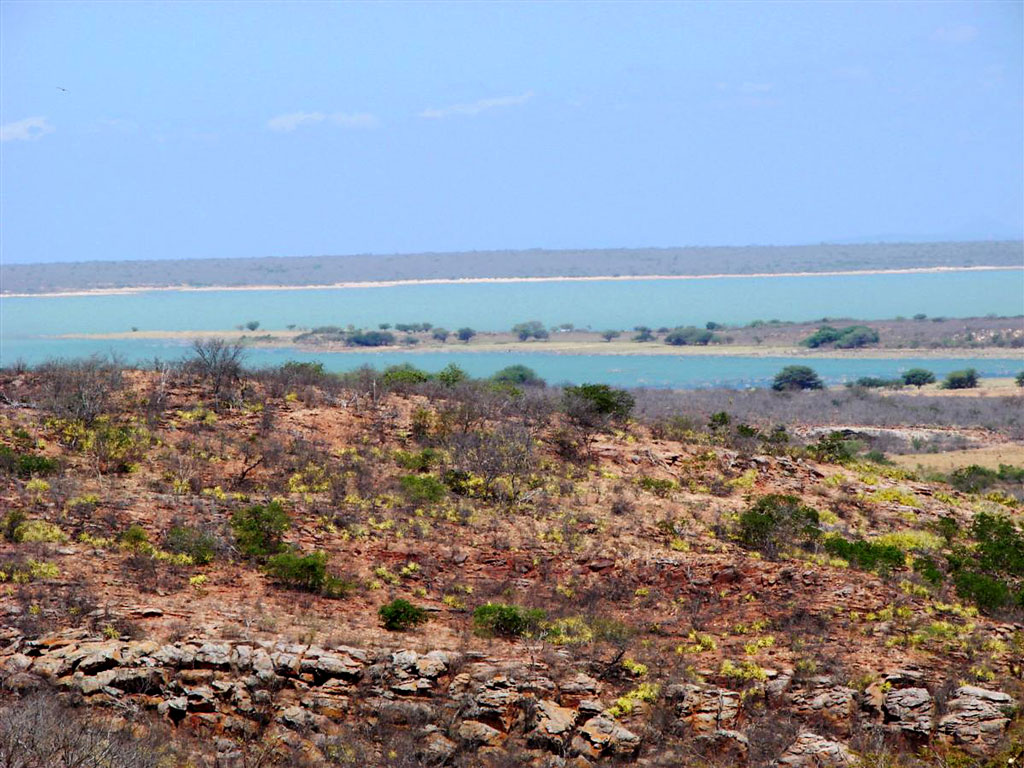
(289, 569)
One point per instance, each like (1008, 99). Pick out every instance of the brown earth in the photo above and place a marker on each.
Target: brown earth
(666, 642)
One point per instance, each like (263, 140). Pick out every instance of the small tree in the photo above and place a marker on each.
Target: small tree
(252, 325)
(643, 333)
(519, 375)
(259, 529)
(689, 336)
(776, 520)
(796, 377)
(465, 334)
(533, 329)
(218, 361)
(1020, 379)
(401, 615)
(441, 334)
(965, 379)
(609, 335)
(918, 377)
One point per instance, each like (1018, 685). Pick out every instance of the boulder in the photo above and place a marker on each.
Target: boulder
(976, 719)
(603, 736)
(479, 734)
(909, 710)
(813, 751)
(552, 725)
(705, 709)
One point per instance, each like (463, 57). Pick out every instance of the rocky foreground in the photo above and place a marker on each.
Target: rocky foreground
(663, 631)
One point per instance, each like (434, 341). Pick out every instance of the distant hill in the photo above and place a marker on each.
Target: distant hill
(327, 270)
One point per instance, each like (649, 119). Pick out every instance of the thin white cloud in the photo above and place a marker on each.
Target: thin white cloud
(476, 107)
(293, 120)
(29, 129)
(960, 33)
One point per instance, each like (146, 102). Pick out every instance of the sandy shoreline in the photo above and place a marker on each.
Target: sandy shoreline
(496, 280)
(285, 340)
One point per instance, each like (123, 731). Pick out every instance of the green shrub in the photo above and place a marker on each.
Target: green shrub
(451, 375)
(928, 570)
(370, 339)
(1019, 378)
(987, 592)
(796, 377)
(401, 615)
(599, 399)
(533, 329)
(423, 489)
(1000, 545)
(835, 448)
(965, 379)
(865, 554)
(775, 520)
(689, 336)
(404, 375)
(135, 537)
(519, 375)
(918, 377)
(972, 478)
(259, 529)
(185, 540)
(875, 382)
(306, 572)
(465, 334)
(26, 465)
(420, 461)
(503, 620)
(843, 338)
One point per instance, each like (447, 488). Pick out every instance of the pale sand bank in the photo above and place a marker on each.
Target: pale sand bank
(486, 280)
(576, 347)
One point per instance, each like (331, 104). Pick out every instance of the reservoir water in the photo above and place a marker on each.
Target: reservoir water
(28, 325)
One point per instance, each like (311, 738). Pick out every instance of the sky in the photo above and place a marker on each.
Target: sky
(147, 130)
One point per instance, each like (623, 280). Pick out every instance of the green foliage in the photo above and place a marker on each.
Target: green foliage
(689, 336)
(657, 486)
(423, 489)
(875, 382)
(451, 375)
(533, 329)
(609, 335)
(505, 620)
(776, 520)
(987, 592)
(519, 375)
(843, 338)
(1000, 545)
(403, 375)
(918, 377)
(186, 540)
(306, 572)
(974, 478)
(31, 531)
(135, 537)
(259, 529)
(928, 570)
(1019, 378)
(866, 555)
(643, 334)
(441, 334)
(117, 447)
(795, 377)
(599, 399)
(401, 615)
(834, 448)
(25, 465)
(370, 339)
(465, 334)
(421, 461)
(965, 379)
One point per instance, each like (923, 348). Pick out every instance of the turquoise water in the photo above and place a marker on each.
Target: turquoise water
(26, 322)
(498, 306)
(659, 371)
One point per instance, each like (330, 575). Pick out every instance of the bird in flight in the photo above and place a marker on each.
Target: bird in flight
(63, 89)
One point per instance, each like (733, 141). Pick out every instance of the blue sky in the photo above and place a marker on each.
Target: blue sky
(193, 130)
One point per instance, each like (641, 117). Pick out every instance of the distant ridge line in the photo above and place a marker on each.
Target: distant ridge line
(500, 280)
